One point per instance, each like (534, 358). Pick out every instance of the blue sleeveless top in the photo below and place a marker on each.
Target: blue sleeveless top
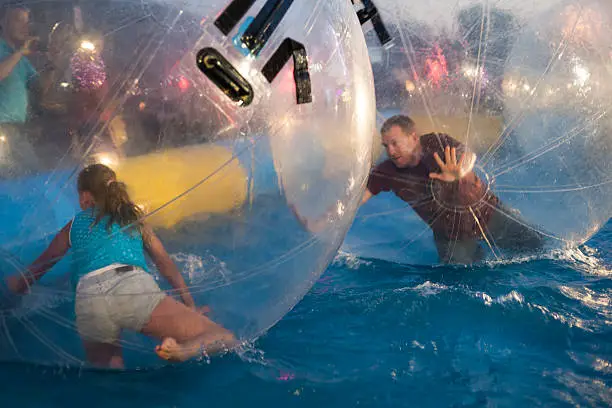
(96, 246)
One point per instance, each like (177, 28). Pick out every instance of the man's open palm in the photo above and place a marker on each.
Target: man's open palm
(451, 170)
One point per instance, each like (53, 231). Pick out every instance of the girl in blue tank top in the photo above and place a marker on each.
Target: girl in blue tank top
(114, 291)
(90, 239)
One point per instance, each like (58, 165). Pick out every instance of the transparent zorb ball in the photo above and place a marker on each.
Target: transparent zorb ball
(523, 85)
(225, 121)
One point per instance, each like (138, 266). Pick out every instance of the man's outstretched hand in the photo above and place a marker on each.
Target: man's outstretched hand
(451, 170)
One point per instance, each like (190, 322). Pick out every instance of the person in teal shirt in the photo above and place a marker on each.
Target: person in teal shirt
(20, 85)
(17, 74)
(14, 89)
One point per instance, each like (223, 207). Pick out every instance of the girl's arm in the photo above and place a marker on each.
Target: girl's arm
(52, 255)
(166, 266)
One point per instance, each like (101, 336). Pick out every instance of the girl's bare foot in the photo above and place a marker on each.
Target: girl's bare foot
(171, 350)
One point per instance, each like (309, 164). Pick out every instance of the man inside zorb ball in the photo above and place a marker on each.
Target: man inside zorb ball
(496, 141)
(426, 172)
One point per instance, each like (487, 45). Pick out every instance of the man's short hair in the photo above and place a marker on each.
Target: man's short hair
(13, 5)
(10, 6)
(402, 121)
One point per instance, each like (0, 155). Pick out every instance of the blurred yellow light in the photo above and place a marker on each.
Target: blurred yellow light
(108, 159)
(88, 45)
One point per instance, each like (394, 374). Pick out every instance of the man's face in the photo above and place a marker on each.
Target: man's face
(403, 149)
(17, 25)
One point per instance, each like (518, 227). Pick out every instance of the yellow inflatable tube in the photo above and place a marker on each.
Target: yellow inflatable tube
(177, 184)
(483, 130)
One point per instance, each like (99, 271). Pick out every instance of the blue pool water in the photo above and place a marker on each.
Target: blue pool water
(375, 333)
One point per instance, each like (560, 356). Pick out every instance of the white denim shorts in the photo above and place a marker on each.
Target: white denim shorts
(110, 300)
